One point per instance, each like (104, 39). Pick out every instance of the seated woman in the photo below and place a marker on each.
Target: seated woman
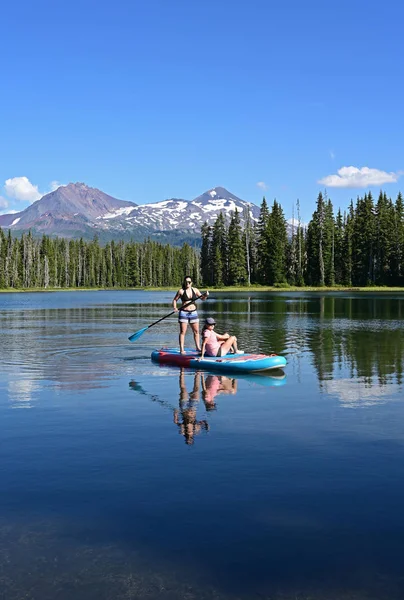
(216, 344)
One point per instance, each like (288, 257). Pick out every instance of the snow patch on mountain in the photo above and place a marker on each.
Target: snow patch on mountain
(179, 214)
(126, 210)
(169, 204)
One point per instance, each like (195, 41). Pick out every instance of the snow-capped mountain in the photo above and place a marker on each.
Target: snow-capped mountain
(176, 214)
(76, 210)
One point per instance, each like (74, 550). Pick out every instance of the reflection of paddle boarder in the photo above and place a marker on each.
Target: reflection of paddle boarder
(213, 385)
(208, 386)
(189, 426)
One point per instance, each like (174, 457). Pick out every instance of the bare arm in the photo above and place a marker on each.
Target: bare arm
(222, 336)
(201, 295)
(203, 347)
(177, 297)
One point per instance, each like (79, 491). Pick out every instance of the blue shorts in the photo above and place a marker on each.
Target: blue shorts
(188, 316)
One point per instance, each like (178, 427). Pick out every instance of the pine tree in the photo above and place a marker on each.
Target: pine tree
(247, 239)
(237, 263)
(277, 242)
(262, 243)
(384, 226)
(292, 253)
(206, 270)
(339, 249)
(219, 251)
(329, 244)
(363, 242)
(397, 267)
(315, 244)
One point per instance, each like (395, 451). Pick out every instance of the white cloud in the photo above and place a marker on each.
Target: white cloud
(262, 185)
(54, 185)
(20, 188)
(352, 177)
(332, 154)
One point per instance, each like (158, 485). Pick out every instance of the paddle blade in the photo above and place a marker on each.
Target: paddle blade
(135, 336)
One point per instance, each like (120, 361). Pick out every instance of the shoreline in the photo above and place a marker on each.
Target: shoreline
(230, 289)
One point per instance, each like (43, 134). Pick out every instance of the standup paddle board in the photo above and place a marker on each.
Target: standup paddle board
(241, 363)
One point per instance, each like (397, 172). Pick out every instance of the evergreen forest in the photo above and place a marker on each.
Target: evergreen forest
(43, 263)
(363, 246)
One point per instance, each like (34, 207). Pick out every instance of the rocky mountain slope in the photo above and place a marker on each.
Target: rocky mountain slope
(76, 210)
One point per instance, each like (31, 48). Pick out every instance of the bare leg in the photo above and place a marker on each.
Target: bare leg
(195, 329)
(183, 388)
(231, 342)
(183, 329)
(194, 395)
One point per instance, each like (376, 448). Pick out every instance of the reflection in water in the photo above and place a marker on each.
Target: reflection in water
(186, 416)
(357, 394)
(214, 385)
(21, 391)
(206, 387)
(82, 348)
(363, 335)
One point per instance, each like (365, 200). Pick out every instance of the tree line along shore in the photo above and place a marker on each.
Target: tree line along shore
(360, 249)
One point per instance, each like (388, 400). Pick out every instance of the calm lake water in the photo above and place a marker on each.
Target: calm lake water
(122, 479)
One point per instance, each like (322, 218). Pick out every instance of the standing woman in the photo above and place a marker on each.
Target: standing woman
(188, 314)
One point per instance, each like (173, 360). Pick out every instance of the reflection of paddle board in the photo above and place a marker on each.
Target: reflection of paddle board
(236, 363)
(263, 378)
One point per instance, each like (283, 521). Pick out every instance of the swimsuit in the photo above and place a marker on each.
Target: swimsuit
(188, 316)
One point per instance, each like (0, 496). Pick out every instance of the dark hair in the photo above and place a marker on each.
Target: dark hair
(184, 284)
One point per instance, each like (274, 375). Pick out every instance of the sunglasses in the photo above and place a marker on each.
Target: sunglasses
(188, 281)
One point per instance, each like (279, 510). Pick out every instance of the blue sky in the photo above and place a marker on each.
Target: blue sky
(159, 99)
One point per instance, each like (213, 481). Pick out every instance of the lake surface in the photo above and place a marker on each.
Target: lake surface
(122, 479)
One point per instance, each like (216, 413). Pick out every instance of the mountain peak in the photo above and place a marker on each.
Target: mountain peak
(79, 186)
(72, 204)
(217, 193)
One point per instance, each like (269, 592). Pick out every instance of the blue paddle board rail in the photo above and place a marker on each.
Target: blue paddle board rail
(236, 363)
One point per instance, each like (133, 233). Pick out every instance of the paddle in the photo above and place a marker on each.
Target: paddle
(135, 336)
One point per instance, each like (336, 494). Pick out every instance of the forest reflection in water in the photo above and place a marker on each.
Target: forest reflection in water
(363, 335)
(357, 339)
